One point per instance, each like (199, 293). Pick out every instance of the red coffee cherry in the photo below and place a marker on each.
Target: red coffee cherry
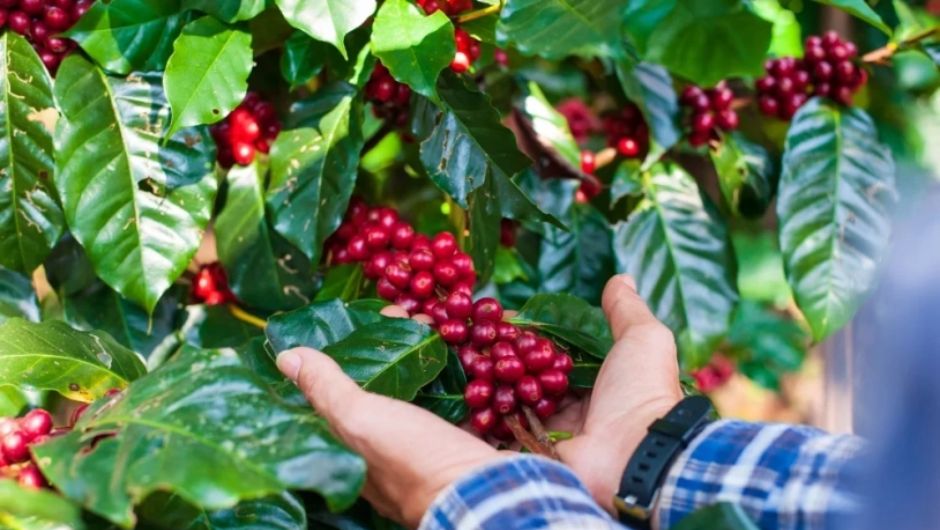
(503, 350)
(445, 273)
(478, 393)
(528, 390)
(563, 362)
(506, 332)
(509, 369)
(487, 309)
(444, 245)
(545, 408)
(453, 331)
(398, 275)
(458, 305)
(483, 333)
(483, 420)
(30, 477)
(403, 235)
(467, 355)
(421, 259)
(14, 447)
(482, 368)
(540, 357)
(553, 381)
(35, 423)
(386, 290)
(422, 284)
(504, 399)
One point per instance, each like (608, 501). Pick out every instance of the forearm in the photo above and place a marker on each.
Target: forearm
(783, 476)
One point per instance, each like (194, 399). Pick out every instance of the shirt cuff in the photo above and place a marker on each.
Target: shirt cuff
(518, 492)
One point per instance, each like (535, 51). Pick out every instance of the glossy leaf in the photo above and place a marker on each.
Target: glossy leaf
(207, 75)
(627, 180)
(650, 87)
(677, 249)
(29, 509)
(579, 260)
(704, 42)
(137, 203)
(343, 282)
(228, 10)
(17, 297)
(127, 35)
(215, 327)
(52, 356)
(30, 217)
(745, 175)
(444, 396)
(414, 47)
(765, 345)
(206, 409)
(835, 192)
(327, 20)
(550, 126)
(258, 356)
(313, 170)
(319, 324)
(468, 141)
(394, 356)
(861, 10)
(263, 270)
(303, 58)
(558, 28)
(570, 319)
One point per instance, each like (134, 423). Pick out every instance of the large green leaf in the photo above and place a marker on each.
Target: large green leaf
(678, 250)
(137, 203)
(704, 42)
(28, 509)
(17, 297)
(207, 75)
(468, 141)
(394, 357)
(579, 260)
(570, 319)
(263, 269)
(30, 217)
(276, 512)
(127, 35)
(215, 327)
(444, 396)
(52, 356)
(327, 20)
(650, 87)
(228, 10)
(341, 281)
(764, 344)
(549, 125)
(204, 408)
(835, 191)
(320, 324)
(313, 170)
(745, 175)
(557, 28)
(860, 9)
(414, 47)
(303, 58)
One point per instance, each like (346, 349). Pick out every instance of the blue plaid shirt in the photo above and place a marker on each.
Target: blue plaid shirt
(783, 476)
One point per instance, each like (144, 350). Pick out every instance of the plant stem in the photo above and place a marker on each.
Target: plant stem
(543, 437)
(480, 13)
(528, 440)
(247, 317)
(883, 55)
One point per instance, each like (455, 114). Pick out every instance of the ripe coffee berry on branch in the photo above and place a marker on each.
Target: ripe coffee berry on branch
(627, 132)
(17, 435)
(507, 367)
(828, 69)
(210, 285)
(581, 119)
(715, 374)
(709, 111)
(41, 22)
(250, 128)
(390, 99)
(468, 48)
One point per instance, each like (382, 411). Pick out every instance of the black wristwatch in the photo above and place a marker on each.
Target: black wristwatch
(665, 439)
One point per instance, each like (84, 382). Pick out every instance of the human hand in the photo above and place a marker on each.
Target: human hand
(411, 454)
(638, 383)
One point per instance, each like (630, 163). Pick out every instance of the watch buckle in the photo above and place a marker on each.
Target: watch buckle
(629, 505)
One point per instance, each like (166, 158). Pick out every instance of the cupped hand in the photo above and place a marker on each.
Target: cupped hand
(638, 383)
(411, 454)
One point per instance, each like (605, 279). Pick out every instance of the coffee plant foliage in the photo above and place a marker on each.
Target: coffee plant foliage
(188, 187)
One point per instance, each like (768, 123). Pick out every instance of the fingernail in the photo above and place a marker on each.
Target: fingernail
(629, 281)
(288, 363)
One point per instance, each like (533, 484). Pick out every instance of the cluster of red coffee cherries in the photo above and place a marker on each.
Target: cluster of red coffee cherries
(828, 69)
(508, 367)
(40, 21)
(468, 48)
(17, 435)
(210, 285)
(390, 99)
(627, 131)
(715, 374)
(709, 111)
(250, 128)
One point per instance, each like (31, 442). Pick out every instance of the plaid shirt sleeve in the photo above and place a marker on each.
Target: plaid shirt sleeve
(783, 476)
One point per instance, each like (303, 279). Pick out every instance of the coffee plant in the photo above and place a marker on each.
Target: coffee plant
(190, 186)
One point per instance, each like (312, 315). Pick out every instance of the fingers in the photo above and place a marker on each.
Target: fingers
(321, 380)
(624, 307)
(394, 311)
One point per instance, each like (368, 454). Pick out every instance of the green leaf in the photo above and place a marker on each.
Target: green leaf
(127, 35)
(555, 29)
(861, 10)
(787, 34)
(303, 58)
(745, 175)
(320, 324)
(30, 217)
(23, 508)
(628, 180)
(204, 408)
(17, 297)
(52, 356)
(678, 250)
(228, 10)
(765, 345)
(550, 126)
(835, 192)
(760, 269)
(263, 269)
(207, 75)
(414, 47)
(579, 260)
(276, 512)
(394, 357)
(704, 42)
(650, 87)
(484, 216)
(343, 282)
(12, 401)
(508, 266)
(313, 170)
(215, 327)
(724, 515)
(327, 20)
(570, 319)
(468, 141)
(444, 396)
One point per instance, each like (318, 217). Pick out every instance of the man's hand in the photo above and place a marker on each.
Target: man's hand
(638, 383)
(411, 454)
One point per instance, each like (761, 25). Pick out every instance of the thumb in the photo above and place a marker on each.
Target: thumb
(321, 380)
(624, 307)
